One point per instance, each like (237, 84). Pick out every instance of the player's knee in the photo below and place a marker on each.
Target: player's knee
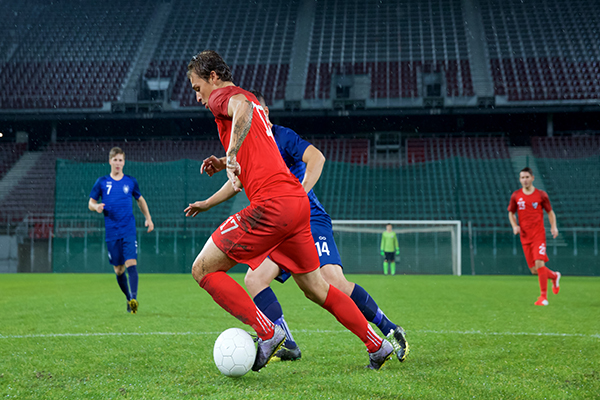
(119, 269)
(334, 275)
(533, 270)
(197, 270)
(252, 282)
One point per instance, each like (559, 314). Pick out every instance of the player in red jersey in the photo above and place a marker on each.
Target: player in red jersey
(275, 224)
(530, 204)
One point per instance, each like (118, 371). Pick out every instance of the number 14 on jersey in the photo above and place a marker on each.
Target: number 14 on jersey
(322, 248)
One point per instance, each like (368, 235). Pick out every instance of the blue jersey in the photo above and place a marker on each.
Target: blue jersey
(292, 148)
(118, 210)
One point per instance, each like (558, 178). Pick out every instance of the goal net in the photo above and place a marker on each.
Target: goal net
(426, 247)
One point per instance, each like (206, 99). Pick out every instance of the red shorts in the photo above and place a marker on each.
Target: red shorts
(535, 250)
(279, 228)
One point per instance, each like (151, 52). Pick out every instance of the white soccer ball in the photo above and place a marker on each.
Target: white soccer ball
(234, 352)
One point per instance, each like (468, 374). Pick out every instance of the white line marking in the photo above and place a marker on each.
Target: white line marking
(412, 332)
(593, 335)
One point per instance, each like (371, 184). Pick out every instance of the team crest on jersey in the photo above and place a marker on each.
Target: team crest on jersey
(521, 203)
(535, 205)
(125, 189)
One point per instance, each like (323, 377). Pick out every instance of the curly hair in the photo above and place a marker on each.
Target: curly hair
(206, 61)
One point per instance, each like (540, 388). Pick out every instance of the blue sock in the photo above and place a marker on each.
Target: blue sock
(267, 302)
(122, 281)
(371, 310)
(133, 280)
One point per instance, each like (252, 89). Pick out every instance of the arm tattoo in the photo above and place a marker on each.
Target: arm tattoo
(241, 129)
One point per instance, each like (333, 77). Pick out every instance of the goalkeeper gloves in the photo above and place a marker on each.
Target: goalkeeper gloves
(398, 252)
(382, 253)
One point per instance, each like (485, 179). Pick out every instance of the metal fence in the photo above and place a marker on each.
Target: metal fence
(43, 244)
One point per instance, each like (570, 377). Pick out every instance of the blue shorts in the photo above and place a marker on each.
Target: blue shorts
(121, 250)
(322, 232)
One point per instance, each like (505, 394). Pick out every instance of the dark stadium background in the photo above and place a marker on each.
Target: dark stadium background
(390, 83)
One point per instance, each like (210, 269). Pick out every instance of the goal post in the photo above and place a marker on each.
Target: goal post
(426, 247)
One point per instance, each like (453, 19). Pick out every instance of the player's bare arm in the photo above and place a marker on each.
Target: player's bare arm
(226, 192)
(553, 228)
(314, 160)
(240, 110)
(513, 222)
(144, 209)
(212, 165)
(93, 205)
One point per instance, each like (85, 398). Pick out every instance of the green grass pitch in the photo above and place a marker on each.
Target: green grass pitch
(69, 336)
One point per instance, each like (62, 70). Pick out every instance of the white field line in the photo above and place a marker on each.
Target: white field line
(317, 331)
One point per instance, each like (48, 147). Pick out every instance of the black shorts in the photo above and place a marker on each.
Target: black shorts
(390, 257)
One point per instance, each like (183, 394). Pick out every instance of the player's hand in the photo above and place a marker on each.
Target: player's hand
(397, 252)
(212, 165)
(382, 253)
(233, 170)
(196, 208)
(516, 230)
(554, 232)
(99, 208)
(150, 225)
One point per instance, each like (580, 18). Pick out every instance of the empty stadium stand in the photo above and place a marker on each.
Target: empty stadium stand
(580, 146)
(403, 41)
(570, 166)
(467, 178)
(255, 41)
(543, 50)
(459, 188)
(40, 180)
(72, 55)
(432, 149)
(82, 55)
(9, 155)
(355, 151)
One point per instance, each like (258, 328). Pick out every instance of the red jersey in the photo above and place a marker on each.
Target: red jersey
(263, 171)
(530, 209)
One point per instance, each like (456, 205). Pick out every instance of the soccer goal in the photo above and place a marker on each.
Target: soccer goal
(426, 247)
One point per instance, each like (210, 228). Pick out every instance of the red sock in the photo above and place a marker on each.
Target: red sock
(227, 293)
(348, 314)
(543, 279)
(549, 273)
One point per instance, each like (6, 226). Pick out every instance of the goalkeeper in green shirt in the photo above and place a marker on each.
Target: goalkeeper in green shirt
(389, 246)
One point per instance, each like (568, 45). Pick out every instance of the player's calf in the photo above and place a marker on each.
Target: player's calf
(556, 283)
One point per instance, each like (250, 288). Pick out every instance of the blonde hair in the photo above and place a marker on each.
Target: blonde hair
(114, 151)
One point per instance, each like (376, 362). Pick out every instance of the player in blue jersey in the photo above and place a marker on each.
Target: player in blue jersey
(306, 162)
(116, 190)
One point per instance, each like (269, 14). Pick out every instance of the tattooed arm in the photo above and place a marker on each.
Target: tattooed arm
(240, 109)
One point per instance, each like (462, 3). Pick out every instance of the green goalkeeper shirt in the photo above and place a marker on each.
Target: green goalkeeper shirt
(389, 242)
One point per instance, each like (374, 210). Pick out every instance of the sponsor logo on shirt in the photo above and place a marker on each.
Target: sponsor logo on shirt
(125, 189)
(521, 203)
(535, 205)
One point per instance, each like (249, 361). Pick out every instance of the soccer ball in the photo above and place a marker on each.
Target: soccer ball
(234, 352)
